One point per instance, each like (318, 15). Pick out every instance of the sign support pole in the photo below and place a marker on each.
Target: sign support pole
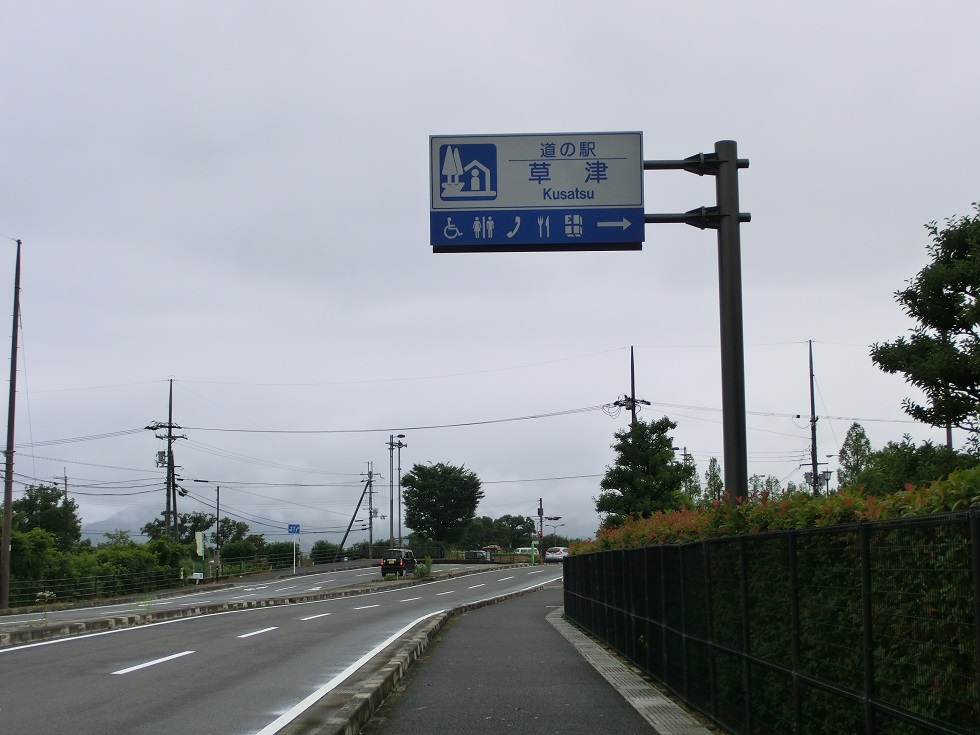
(723, 164)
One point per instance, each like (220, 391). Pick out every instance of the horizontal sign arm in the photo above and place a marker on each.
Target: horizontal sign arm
(703, 218)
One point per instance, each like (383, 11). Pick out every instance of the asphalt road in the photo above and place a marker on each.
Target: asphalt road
(247, 671)
(257, 587)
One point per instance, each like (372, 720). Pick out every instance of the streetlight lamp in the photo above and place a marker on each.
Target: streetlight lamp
(553, 527)
(391, 485)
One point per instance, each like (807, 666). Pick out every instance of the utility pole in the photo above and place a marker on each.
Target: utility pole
(171, 508)
(632, 387)
(630, 402)
(813, 427)
(8, 477)
(370, 474)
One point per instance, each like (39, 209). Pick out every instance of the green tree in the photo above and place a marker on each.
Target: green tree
(33, 555)
(324, 551)
(855, 453)
(188, 524)
(714, 484)
(117, 538)
(239, 552)
(479, 533)
(280, 554)
(692, 486)
(45, 507)
(512, 532)
(440, 500)
(646, 476)
(903, 463)
(941, 357)
(231, 530)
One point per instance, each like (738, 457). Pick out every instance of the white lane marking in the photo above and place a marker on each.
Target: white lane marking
(506, 578)
(314, 589)
(482, 584)
(239, 597)
(536, 571)
(366, 607)
(445, 593)
(290, 587)
(314, 617)
(258, 632)
(316, 696)
(152, 663)
(410, 599)
(365, 575)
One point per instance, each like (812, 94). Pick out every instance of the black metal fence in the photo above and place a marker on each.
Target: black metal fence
(870, 628)
(48, 591)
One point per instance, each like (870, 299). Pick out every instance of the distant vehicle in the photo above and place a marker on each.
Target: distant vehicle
(556, 553)
(479, 555)
(397, 562)
(526, 551)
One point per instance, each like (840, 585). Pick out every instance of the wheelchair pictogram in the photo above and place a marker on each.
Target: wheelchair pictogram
(451, 231)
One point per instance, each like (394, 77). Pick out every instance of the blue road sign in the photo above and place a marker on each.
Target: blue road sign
(294, 528)
(556, 191)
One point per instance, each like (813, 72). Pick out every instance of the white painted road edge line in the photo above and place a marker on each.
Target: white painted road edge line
(316, 696)
(152, 663)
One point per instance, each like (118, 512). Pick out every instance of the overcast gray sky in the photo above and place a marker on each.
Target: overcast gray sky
(235, 195)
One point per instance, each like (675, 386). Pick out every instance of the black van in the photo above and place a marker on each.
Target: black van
(397, 562)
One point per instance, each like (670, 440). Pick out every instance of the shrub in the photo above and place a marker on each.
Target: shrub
(796, 510)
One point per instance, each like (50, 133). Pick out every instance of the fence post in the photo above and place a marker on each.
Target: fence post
(683, 605)
(864, 536)
(975, 549)
(710, 631)
(746, 633)
(794, 627)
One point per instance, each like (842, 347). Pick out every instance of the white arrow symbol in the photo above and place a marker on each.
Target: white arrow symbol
(624, 224)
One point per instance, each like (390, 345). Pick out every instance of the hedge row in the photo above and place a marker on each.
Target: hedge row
(797, 510)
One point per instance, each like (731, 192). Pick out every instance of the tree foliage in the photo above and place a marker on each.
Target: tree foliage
(646, 476)
(508, 532)
(324, 551)
(440, 500)
(45, 507)
(941, 356)
(855, 453)
(903, 464)
(281, 554)
(187, 525)
(714, 484)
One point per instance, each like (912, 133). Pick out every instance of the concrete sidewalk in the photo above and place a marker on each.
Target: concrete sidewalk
(518, 667)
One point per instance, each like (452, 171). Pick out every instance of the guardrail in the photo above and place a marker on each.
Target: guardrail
(867, 628)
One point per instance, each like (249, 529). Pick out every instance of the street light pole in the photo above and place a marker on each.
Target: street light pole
(391, 488)
(8, 477)
(400, 444)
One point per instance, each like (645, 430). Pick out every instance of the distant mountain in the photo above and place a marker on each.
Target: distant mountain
(131, 520)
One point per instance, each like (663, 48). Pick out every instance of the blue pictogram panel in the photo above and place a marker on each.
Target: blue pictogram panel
(468, 172)
(545, 229)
